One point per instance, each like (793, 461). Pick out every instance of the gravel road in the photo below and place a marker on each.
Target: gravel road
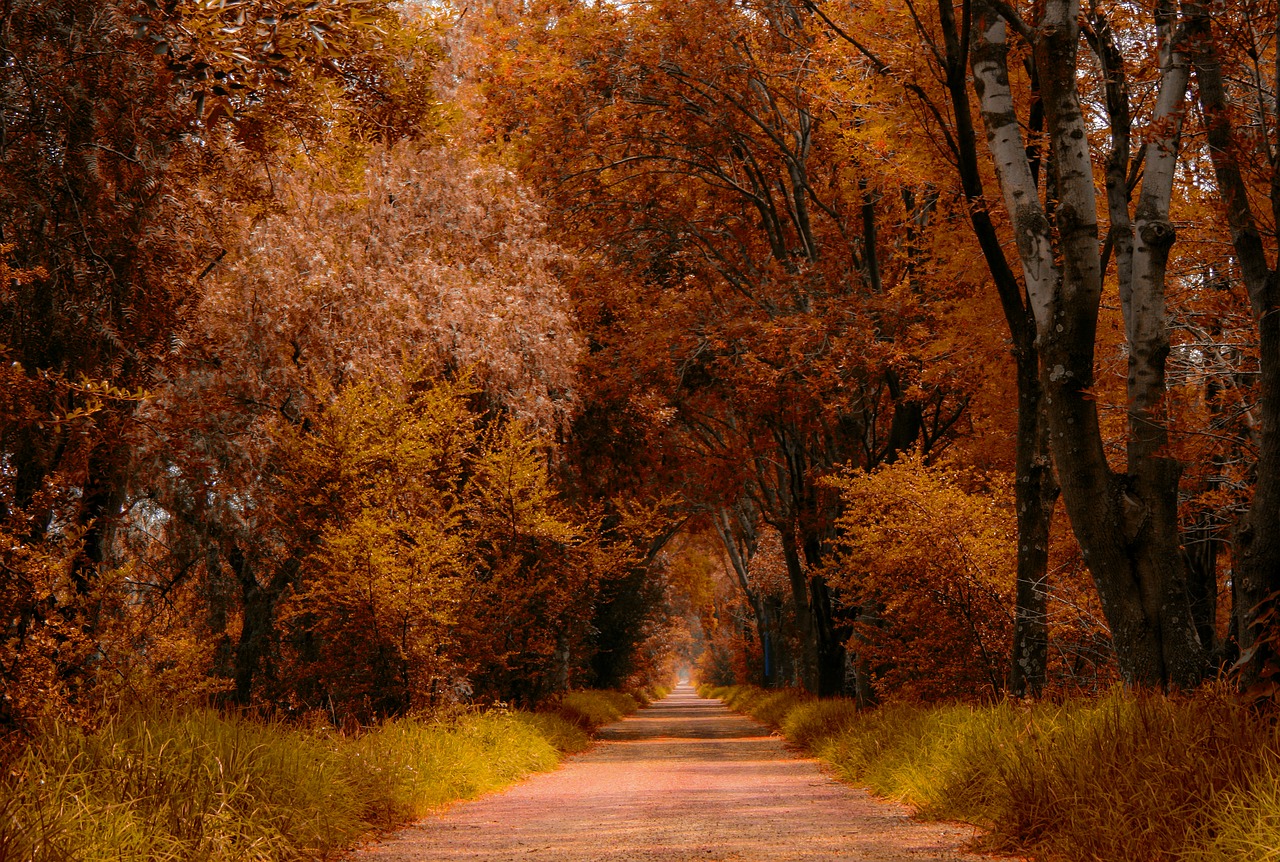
(684, 779)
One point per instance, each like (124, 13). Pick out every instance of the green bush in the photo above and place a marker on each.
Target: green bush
(408, 767)
(1246, 826)
(773, 707)
(1127, 777)
(198, 786)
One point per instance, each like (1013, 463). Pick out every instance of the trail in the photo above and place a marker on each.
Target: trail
(684, 779)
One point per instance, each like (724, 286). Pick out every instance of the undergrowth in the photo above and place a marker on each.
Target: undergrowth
(206, 786)
(592, 709)
(1131, 776)
(650, 693)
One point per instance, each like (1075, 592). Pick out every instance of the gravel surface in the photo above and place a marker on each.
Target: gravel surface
(684, 779)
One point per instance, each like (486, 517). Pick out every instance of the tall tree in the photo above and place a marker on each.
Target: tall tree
(129, 135)
(932, 85)
(1244, 148)
(424, 256)
(1126, 521)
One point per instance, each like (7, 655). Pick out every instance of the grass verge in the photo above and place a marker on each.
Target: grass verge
(211, 787)
(1131, 776)
(649, 694)
(590, 710)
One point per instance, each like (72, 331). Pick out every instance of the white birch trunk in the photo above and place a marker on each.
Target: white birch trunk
(1143, 297)
(1008, 152)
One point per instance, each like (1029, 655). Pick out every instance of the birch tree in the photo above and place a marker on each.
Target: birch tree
(948, 115)
(1125, 519)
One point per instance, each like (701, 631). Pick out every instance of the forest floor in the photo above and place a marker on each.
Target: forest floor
(684, 779)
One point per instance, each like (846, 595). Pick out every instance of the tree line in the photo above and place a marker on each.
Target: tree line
(287, 374)
(362, 358)
(847, 235)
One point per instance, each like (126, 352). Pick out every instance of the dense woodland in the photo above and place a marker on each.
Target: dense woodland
(362, 358)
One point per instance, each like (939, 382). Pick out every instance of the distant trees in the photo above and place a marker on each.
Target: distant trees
(776, 305)
(1242, 126)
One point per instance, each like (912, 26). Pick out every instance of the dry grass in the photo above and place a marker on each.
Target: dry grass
(594, 709)
(216, 788)
(1131, 776)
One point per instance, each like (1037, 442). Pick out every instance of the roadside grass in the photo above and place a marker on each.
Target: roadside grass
(593, 709)
(649, 694)
(206, 786)
(1129, 776)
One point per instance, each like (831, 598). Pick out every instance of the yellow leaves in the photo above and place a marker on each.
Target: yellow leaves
(929, 553)
(377, 481)
(434, 528)
(906, 519)
(510, 488)
(11, 276)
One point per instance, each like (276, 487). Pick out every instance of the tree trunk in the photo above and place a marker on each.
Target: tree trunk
(830, 646)
(1035, 488)
(1256, 577)
(740, 562)
(258, 631)
(1257, 566)
(1035, 494)
(810, 654)
(1126, 524)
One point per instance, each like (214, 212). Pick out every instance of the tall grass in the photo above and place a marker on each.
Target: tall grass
(770, 707)
(211, 787)
(590, 710)
(648, 694)
(1130, 776)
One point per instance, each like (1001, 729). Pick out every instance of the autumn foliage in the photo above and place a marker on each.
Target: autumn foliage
(286, 433)
(362, 359)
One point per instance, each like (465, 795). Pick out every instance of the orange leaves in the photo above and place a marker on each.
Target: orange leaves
(431, 254)
(927, 556)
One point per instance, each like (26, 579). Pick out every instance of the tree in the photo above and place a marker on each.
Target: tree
(1247, 176)
(930, 86)
(694, 165)
(1126, 522)
(414, 254)
(119, 187)
(437, 560)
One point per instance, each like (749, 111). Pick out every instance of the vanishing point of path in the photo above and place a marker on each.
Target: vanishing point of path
(684, 779)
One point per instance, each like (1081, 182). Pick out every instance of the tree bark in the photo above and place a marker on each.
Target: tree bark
(806, 618)
(1126, 524)
(1035, 488)
(1256, 576)
(737, 546)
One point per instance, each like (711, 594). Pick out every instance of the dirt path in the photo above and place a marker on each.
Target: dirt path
(685, 779)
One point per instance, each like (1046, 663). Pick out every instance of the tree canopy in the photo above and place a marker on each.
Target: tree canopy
(365, 358)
